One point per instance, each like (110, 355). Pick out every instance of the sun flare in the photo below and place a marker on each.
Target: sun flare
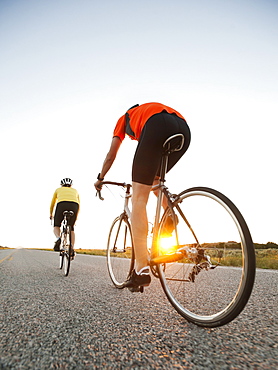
(167, 245)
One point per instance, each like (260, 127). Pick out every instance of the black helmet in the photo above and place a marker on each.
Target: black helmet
(66, 182)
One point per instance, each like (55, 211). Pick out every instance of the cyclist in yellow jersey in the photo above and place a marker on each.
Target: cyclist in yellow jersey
(65, 198)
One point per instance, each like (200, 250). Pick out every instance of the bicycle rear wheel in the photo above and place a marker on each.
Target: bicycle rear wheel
(68, 250)
(120, 251)
(209, 224)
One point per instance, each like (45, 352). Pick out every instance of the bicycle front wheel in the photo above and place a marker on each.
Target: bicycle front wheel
(211, 284)
(120, 251)
(68, 250)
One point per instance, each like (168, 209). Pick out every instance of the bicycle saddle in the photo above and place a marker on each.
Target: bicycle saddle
(68, 213)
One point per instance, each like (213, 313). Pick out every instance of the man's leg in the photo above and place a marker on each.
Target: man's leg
(139, 223)
(164, 199)
(72, 237)
(57, 231)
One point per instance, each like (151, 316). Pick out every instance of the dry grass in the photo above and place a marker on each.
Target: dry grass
(265, 258)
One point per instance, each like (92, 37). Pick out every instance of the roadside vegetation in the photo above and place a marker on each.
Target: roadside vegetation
(266, 254)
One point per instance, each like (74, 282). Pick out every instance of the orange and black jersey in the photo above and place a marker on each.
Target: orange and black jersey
(134, 120)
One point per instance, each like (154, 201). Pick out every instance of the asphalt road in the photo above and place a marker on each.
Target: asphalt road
(49, 321)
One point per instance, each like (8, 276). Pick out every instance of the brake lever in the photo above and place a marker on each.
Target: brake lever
(98, 193)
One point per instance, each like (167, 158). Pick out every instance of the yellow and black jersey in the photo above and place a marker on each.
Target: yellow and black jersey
(64, 194)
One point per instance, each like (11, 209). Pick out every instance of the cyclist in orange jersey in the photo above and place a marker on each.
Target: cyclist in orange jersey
(150, 124)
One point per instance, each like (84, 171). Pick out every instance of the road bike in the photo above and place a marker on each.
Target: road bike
(66, 248)
(206, 263)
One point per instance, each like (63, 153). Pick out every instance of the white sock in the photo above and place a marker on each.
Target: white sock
(142, 272)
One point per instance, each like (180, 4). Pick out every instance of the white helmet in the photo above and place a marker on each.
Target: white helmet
(66, 182)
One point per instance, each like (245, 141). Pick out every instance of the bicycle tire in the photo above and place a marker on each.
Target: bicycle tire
(120, 251)
(62, 256)
(68, 250)
(216, 296)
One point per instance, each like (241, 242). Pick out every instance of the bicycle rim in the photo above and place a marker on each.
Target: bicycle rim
(208, 223)
(120, 252)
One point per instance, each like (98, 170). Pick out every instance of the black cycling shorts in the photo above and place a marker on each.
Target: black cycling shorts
(149, 151)
(65, 206)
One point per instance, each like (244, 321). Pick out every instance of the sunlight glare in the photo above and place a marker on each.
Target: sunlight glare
(167, 245)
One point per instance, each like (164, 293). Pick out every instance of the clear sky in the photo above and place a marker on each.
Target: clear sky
(69, 69)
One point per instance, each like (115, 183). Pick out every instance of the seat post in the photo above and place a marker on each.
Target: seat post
(163, 167)
(167, 150)
(162, 172)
